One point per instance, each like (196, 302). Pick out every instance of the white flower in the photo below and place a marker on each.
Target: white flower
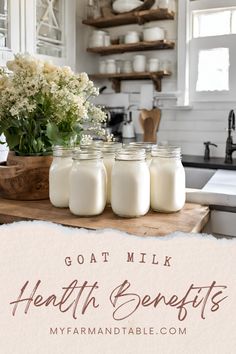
(56, 93)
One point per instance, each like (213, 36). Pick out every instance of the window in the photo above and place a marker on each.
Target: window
(206, 22)
(213, 70)
(209, 58)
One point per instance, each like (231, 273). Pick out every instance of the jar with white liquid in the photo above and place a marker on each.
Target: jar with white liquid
(167, 179)
(108, 151)
(130, 183)
(59, 176)
(147, 146)
(87, 195)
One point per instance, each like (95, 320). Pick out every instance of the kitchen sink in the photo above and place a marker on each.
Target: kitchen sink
(197, 178)
(216, 188)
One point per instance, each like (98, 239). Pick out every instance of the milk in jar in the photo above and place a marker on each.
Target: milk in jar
(147, 146)
(59, 176)
(167, 179)
(87, 196)
(108, 150)
(130, 183)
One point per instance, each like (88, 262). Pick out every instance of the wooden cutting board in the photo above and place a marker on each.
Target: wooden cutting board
(191, 218)
(150, 120)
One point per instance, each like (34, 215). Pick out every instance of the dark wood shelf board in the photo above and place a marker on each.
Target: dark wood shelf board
(116, 79)
(131, 76)
(133, 47)
(139, 17)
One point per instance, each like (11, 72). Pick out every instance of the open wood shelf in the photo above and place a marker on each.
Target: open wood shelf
(139, 17)
(116, 79)
(133, 47)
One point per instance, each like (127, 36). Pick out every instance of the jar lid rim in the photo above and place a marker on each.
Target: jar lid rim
(130, 154)
(87, 155)
(166, 151)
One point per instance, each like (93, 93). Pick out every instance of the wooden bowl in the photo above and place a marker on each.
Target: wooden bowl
(25, 177)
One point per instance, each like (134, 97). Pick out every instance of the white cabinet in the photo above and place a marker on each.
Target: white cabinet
(9, 29)
(43, 28)
(50, 30)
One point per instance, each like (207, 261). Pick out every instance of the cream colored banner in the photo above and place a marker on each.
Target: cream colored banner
(66, 291)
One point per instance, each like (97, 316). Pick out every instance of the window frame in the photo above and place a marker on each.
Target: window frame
(186, 96)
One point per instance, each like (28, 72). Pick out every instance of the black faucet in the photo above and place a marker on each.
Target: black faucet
(207, 150)
(230, 146)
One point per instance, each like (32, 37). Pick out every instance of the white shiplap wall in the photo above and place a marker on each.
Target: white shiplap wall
(190, 129)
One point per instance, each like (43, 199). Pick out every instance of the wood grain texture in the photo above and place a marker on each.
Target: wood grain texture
(116, 79)
(139, 17)
(25, 177)
(192, 218)
(150, 120)
(133, 47)
(131, 76)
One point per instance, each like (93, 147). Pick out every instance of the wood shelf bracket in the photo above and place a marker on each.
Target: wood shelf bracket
(157, 82)
(116, 84)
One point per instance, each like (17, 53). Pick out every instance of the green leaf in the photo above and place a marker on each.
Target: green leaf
(12, 140)
(52, 132)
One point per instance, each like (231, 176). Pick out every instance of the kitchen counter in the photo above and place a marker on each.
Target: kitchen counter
(214, 162)
(220, 190)
(192, 218)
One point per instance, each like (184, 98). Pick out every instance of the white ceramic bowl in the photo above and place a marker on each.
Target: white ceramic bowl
(153, 34)
(120, 6)
(132, 37)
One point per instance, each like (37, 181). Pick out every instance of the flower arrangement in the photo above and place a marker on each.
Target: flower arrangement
(43, 105)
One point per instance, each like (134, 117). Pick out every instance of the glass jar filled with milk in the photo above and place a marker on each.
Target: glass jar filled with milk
(167, 179)
(147, 146)
(108, 151)
(87, 196)
(59, 176)
(130, 183)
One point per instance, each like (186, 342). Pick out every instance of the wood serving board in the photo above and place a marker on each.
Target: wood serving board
(192, 218)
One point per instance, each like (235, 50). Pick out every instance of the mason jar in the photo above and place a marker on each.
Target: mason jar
(167, 179)
(153, 64)
(102, 66)
(87, 196)
(130, 183)
(147, 146)
(110, 66)
(59, 176)
(108, 151)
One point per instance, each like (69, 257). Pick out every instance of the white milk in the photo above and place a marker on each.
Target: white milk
(109, 160)
(59, 177)
(108, 151)
(167, 180)
(87, 195)
(130, 190)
